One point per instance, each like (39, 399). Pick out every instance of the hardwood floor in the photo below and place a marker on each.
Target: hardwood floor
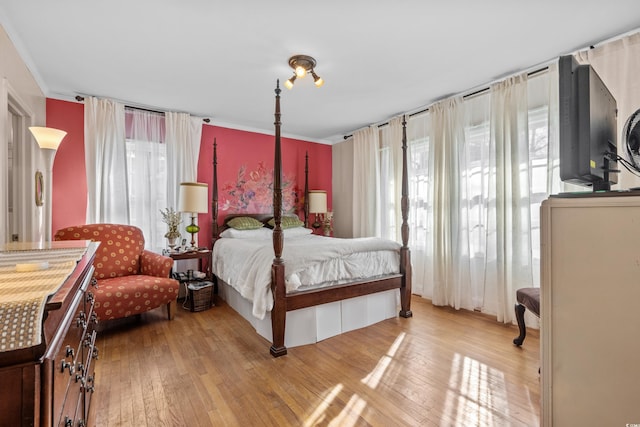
(440, 368)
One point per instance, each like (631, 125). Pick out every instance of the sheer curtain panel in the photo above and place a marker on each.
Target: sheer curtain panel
(451, 282)
(391, 175)
(509, 250)
(106, 160)
(366, 183)
(183, 148)
(147, 172)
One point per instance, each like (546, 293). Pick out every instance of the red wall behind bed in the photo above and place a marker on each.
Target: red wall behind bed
(240, 148)
(236, 148)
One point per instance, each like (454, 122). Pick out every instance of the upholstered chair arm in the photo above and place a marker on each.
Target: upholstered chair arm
(153, 264)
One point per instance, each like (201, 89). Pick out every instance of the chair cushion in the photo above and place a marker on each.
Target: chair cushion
(530, 298)
(125, 296)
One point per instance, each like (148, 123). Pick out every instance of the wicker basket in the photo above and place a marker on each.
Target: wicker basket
(200, 295)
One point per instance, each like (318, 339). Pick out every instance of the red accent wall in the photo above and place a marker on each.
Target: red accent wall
(69, 174)
(236, 148)
(240, 148)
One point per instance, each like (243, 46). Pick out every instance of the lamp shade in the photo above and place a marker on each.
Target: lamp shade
(193, 197)
(317, 201)
(48, 138)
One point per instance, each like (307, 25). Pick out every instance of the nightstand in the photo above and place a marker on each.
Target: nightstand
(203, 255)
(196, 288)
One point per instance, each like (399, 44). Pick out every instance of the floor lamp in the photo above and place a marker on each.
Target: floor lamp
(48, 140)
(193, 199)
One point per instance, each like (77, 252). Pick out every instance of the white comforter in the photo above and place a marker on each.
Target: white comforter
(246, 264)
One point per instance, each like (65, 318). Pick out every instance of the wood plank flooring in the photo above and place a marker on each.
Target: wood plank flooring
(440, 368)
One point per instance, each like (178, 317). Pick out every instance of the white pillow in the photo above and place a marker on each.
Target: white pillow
(258, 233)
(297, 231)
(263, 233)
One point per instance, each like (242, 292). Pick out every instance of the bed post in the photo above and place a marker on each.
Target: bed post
(405, 254)
(279, 310)
(306, 189)
(214, 196)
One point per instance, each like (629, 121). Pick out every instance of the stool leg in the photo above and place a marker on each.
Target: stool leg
(523, 329)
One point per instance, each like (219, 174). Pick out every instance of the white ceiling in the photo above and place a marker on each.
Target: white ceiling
(221, 59)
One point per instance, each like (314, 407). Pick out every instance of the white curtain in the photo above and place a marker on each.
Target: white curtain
(105, 161)
(366, 183)
(183, 148)
(509, 250)
(421, 228)
(147, 171)
(391, 175)
(478, 170)
(131, 181)
(451, 285)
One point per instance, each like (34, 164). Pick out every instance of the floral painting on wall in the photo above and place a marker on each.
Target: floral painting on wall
(252, 192)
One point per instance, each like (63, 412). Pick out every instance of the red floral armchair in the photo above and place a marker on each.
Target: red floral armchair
(131, 280)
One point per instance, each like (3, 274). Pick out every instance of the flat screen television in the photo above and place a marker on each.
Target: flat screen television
(588, 127)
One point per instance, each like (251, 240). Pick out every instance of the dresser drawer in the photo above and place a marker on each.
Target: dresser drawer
(67, 367)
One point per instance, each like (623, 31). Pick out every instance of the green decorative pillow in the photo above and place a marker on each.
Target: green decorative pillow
(287, 222)
(245, 223)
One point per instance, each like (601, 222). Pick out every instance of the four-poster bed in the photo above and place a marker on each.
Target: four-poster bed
(391, 273)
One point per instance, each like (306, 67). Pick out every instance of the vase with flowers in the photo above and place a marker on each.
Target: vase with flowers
(173, 220)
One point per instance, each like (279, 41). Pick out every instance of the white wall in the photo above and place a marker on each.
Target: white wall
(342, 188)
(18, 86)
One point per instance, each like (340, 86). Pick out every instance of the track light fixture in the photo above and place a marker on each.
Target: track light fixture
(303, 64)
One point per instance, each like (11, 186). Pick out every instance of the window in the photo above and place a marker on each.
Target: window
(147, 174)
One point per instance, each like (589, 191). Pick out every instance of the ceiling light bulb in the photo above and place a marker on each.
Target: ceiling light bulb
(317, 80)
(301, 71)
(289, 83)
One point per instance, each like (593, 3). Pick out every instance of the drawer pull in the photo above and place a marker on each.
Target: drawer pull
(66, 365)
(69, 351)
(68, 422)
(87, 385)
(79, 371)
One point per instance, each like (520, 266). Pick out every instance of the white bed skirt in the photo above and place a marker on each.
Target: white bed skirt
(313, 324)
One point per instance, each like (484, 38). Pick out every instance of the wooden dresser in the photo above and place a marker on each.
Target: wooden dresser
(590, 288)
(51, 383)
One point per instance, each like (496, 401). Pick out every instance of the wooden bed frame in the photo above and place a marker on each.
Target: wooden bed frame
(283, 302)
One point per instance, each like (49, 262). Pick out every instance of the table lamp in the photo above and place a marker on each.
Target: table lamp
(317, 205)
(194, 200)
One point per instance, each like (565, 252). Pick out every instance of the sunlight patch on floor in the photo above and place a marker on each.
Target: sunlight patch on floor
(474, 390)
(374, 377)
(350, 414)
(319, 415)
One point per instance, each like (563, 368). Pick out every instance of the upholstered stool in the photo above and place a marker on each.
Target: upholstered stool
(528, 298)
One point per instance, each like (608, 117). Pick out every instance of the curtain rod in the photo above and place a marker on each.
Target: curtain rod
(81, 99)
(468, 95)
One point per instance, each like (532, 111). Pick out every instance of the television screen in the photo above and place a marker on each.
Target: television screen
(588, 120)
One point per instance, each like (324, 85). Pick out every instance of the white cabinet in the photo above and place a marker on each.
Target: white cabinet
(590, 311)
